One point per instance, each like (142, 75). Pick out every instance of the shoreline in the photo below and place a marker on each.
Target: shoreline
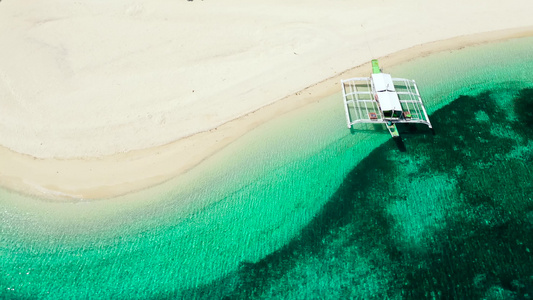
(123, 173)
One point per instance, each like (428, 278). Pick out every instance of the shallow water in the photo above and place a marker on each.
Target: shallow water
(302, 208)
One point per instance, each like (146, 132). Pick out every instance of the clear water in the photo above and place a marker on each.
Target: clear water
(302, 208)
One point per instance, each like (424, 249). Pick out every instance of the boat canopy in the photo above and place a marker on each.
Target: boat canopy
(386, 95)
(383, 82)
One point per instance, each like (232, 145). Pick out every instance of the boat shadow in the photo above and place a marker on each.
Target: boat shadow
(406, 130)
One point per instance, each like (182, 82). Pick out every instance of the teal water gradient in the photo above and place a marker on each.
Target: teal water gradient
(250, 221)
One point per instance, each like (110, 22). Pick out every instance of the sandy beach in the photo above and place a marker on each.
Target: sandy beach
(98, 100)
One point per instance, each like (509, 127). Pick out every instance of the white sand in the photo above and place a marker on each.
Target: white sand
(94, 95)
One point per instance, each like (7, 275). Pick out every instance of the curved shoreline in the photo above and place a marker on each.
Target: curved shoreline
(123, 173)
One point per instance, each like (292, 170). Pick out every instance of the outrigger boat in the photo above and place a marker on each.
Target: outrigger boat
(383, 99)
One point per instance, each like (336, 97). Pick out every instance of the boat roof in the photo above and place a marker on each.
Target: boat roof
(383, 82)
(386, 92)
(388, 101)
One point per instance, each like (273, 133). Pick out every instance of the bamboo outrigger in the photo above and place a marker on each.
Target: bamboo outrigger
(383, 99)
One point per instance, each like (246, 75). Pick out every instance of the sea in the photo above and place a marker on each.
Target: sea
(304, 208)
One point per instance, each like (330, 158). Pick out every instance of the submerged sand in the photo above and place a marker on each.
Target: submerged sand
(102, 99)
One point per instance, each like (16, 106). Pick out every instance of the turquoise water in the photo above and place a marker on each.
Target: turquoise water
(302, 208)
